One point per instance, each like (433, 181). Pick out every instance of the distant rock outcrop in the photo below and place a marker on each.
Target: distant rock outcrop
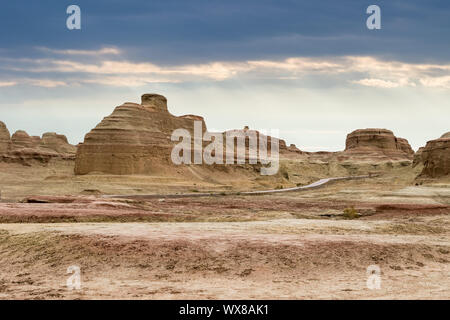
(404, 146)
(56, 142)
(5, 138)
(435, 157)
(23, 148)
(247, 133)
(418, 157)
(21, 139)
(375, 142)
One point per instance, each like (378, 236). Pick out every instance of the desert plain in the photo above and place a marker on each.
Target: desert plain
(153, 230)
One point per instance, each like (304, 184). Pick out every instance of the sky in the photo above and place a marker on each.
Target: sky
(310, 69)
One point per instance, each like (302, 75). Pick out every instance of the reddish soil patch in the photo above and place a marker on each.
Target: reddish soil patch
(386, 211)
(228, 208)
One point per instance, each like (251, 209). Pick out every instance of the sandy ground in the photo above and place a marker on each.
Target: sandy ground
(275, 259)
(295, 245)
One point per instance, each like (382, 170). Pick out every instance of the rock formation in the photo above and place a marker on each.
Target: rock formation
(367, 142)
(23, 148)
(435, 157)
(246, 133)
(404, 146)
(5, 138)
(418, 157)
(21, 139)
(134, 139)
(56, 142)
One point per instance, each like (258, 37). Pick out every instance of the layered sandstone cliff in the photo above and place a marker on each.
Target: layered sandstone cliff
(254, 140)
(435, 157)
(377, 143)
(5, 138)
(21, 139)
(56, 142)
(25, 149)
(134, 139)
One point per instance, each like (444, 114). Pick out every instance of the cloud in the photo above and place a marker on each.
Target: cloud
(216, 70)
(103, 51)
(379, 83)
(325, 132)
(46, 83)
(7, 83)
(127, 81)
(360, 70)
(439, 82)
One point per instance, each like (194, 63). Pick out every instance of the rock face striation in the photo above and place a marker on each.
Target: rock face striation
(435, 157)
(5, 139)
(418, 157)
(378, 142)
(21, 139)
(23, 148)
(134, 139)
(56, 142)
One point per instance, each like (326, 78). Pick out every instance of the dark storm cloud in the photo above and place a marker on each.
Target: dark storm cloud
(191, 31)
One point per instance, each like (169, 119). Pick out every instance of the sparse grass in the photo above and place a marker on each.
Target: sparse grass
(350, 213)
(410, 228)
(298, 215)
(285, 174)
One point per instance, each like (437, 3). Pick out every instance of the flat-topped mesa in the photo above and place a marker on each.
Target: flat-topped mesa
(435, 157)
(5, 138)
(156, 101)
(378, 141)
(134, 139)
